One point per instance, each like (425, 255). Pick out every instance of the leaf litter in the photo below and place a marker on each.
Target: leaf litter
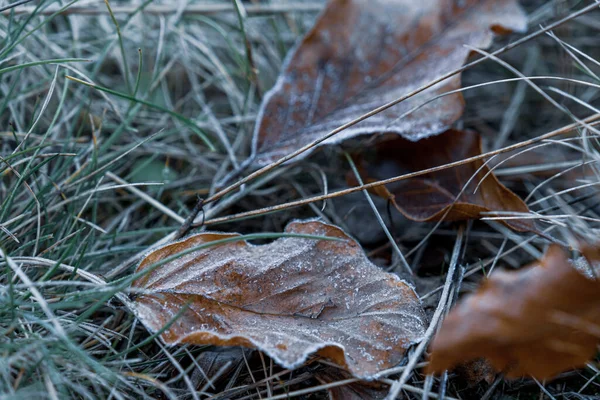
(153, 372)
(297, 297)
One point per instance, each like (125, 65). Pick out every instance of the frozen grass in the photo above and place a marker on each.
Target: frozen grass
(159, 108)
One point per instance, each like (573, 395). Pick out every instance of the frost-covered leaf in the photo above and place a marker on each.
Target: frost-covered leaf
(363, 53)
(433, 196)
(538, 321)
(290, 298)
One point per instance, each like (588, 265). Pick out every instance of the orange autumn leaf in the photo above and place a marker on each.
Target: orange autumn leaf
(538, 321)
(362, 54)
(449, 194)
(290, 298)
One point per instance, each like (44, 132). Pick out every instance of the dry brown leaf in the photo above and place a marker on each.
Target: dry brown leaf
(290, 298)
(361, 54)
(431, 197)
(538, 321)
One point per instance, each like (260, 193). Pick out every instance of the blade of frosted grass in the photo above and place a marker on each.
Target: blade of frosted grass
(15, 4)
(225, 36)
(18, 32)
(139, 232)
(56, 206)
(125, 124)
(7, 159)
(58, 328)
(41, 62)
(195, 128)
(108, 47)
(139, 74)
(41, 112)
(250, 66)
(35, 29)
(30, 244)
(149, 199)
(121, 46)
(113, 161)
(99, 60)
(28, 168)
(22, 179)
(9, 95)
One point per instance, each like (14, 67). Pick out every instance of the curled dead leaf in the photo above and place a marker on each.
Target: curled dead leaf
(450, 194)
(537, 321)
(362, 54)
(290, 298)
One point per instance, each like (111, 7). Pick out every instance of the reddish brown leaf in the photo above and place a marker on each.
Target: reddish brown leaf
(431, 197)
(361, 54)
(538, 321)
(290, 298)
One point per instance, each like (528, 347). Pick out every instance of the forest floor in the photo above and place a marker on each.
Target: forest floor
(104, 125)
